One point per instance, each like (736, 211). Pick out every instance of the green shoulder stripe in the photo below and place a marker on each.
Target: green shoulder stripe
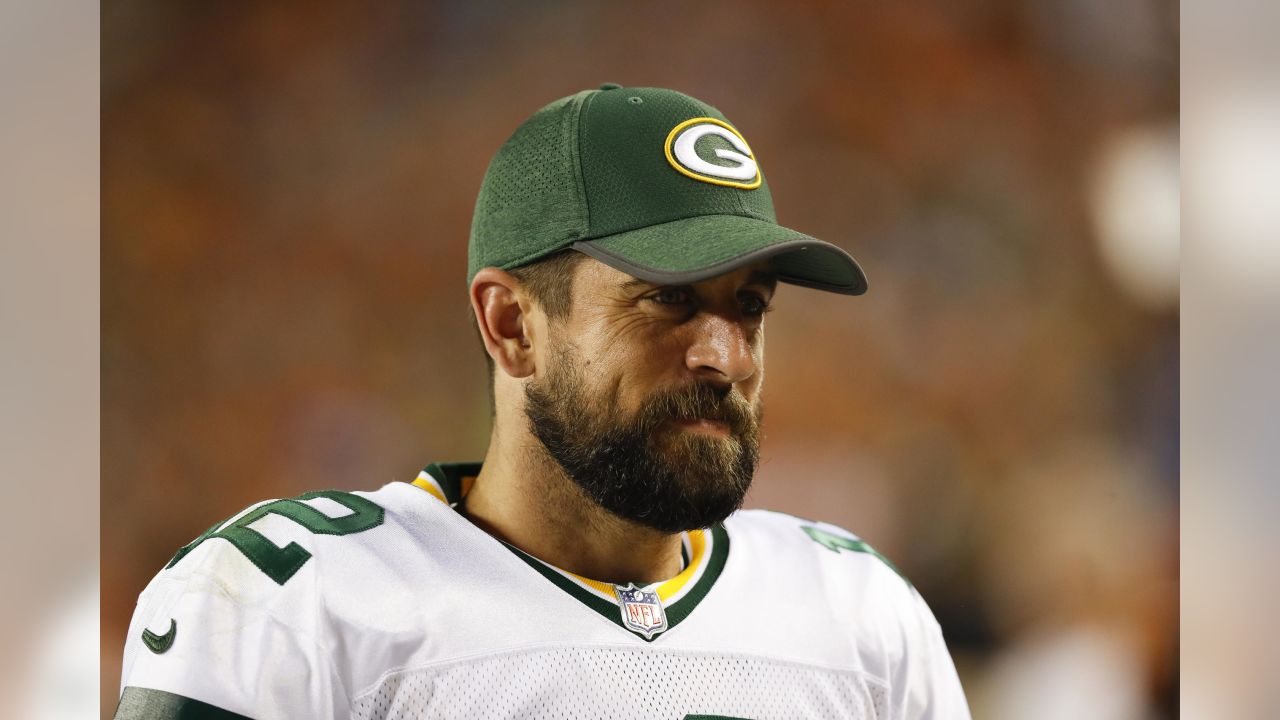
(146, 704)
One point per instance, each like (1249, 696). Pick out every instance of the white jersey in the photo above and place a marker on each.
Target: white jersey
(390, 604)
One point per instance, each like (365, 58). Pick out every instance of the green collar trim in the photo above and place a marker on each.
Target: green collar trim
(604, 607)
(681, 608)
(448, 476)
(675, 612)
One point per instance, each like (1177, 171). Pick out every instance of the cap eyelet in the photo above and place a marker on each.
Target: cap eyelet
(635, 100)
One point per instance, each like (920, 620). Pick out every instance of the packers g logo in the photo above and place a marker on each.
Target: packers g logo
(682, 152)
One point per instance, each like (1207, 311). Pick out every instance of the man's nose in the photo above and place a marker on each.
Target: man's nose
(721, 350)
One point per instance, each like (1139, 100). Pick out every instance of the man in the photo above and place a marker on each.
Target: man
(623, 254)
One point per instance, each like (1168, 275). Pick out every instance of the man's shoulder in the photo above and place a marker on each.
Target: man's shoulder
(833, 583)
(814, 547)
(275, 550)
(290, 586)
(791, 530)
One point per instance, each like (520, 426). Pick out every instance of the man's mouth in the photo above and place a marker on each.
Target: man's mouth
(704, 425)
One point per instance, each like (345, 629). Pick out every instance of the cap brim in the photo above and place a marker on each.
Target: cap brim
(698, 248)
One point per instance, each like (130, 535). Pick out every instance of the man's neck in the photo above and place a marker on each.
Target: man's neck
(523, 497)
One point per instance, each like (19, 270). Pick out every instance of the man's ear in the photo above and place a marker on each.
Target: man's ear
(501, 312)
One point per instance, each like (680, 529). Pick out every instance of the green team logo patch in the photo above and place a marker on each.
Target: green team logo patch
(714, 152)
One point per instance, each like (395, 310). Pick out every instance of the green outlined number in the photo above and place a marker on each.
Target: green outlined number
(836, 543)
(280, 563)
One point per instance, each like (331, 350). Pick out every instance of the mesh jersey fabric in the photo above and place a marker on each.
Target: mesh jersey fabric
(612, 683)
(423, 615)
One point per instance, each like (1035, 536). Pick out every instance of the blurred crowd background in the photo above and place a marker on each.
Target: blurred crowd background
(286, 196)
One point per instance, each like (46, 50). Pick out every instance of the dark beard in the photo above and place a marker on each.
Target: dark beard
(639, 468)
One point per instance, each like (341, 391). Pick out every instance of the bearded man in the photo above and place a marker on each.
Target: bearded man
(623, 254)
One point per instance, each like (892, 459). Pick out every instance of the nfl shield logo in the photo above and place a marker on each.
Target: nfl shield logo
(641, 610)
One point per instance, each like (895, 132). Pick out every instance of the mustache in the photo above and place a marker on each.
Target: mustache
(698, 402)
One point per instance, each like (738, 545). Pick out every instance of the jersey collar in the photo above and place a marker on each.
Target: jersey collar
(448, 482)
(705, 552)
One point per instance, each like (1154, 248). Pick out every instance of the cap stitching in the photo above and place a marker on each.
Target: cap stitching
(574, 129)
(561, 244)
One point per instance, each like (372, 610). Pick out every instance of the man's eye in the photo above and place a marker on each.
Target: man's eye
(754, 306)
(672, 296)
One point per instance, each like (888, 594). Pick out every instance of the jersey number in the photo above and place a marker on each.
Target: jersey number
(280, 563)
(836, 543)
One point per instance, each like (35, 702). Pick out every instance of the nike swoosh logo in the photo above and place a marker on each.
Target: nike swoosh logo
(160, 643)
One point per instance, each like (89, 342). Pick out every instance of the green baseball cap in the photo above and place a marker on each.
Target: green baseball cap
(649, 181)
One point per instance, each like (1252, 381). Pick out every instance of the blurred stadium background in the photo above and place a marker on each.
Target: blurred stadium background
(287, 191)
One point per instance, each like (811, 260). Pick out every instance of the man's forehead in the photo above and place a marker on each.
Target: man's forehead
(757, 273)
